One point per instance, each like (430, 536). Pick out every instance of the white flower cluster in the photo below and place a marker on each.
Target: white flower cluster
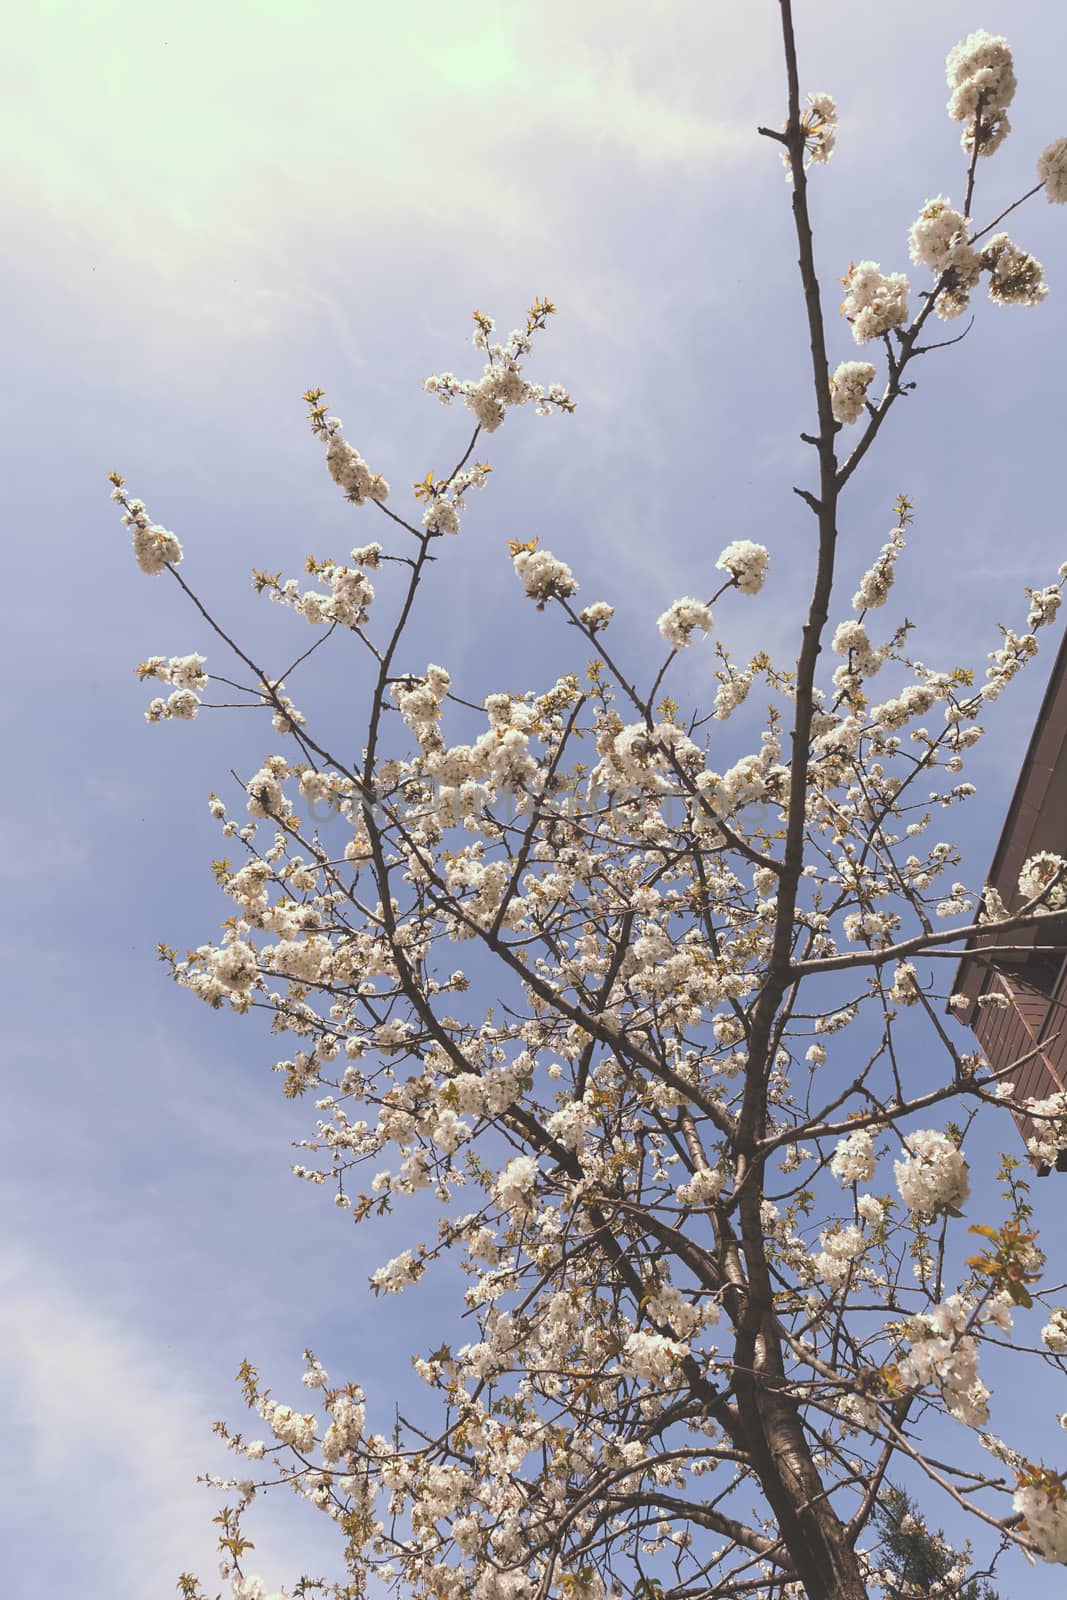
(253, 1588)
(307, 961)
(878, 579)
(315, 1376)
(849, 383)
(1044, 1506)
(266, 798)
(840, 1247)
(1052, 172)
(185, 672)
(345, 1432)
(933, 1177)
(182, 704)
(681, 620)
(651, 1356)
(944, 1353)
(154, 547)
(1054, 1333)
(515, 1187)
(349, 470)
(597, 616)
(672, 1310)
(288, 1426)
(862, 659)
(746, 563)
(1044, 874)
(938, 240)
(303, 961)
(187, 675)
(838, 736)
(818, 123)
(937, 234)
(982, 80)
(760, 776)
(285, 717)
(703, 1188)
(397, 1274)
(1044, 604)
(874, 928)
(1016, 278)
(235, 966)
(501, 385)
(419, 703)
(854, 1159)
(444, 500)
(501, 756)
(544, 577)
(1006, 661)
(1050, 1136)
(351, 593)
(905, 989)
(874, 301)
(731, 693)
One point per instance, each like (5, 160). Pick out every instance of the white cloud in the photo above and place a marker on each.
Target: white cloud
(108, 1432)
(267, 157)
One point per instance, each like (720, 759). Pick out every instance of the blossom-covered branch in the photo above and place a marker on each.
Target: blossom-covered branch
(697, 1123)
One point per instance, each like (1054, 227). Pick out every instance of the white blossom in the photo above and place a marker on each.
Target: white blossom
(652, 1356)
(543, 576)
(348, 469)
(1044, 874)
(235, 966)
(982, 80)
(1048, 1131)
(848, 389)
(154, 547)
(515, 1185)
(1044, 605)
(682, 619)
(746, 563)
(874, 301)
(1016, 278)
(597, 615)
(702, 1188)
(933, 1176)
(854, 1159)
(1044, 1506)
(937, 235)
(818, 124)
(944, 1353)
(905, 990)
(397, 1274)
(939, 240)
(289, 1426)
(1052, 172)
(1054, 1333)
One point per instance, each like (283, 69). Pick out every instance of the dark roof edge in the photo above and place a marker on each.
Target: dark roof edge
(1053, 696)
(1054, 699)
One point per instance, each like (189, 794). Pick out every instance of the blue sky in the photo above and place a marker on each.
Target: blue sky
(218, 206)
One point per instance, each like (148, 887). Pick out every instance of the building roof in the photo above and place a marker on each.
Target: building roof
(1037, 815)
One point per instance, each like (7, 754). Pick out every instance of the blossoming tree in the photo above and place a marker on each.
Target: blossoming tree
(706, 1195)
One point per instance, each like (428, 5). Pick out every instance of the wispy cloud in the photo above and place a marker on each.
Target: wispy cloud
(109, 1432)
(108, 1429)
(212, 161)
